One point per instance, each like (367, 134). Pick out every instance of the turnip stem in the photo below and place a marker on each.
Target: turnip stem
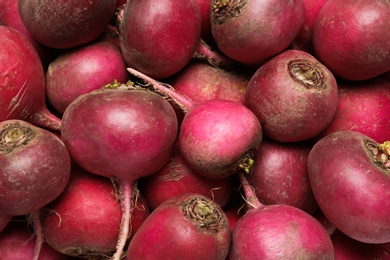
(180, 99)
(124, 231)
(250, 196)
(36, 221)
(205, 52)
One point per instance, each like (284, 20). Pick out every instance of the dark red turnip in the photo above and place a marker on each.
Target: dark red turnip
(177, 178)
(17, 243)
(66, 24)
(34, 167)
(352, 38)
(122, 134)
(84, 221)
(22, 81)
(82, 70)
(293, 95)
(277, 232)
(160, 37)
(188, 226)
(253, 31)
(363, 106)
(217, 137)
(350, 178)
(205, 15)
(279, 175)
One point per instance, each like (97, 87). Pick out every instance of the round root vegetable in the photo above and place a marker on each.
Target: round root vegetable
(279, 175)
(82, 70)
(66, 24)
(352, 38)
(293, 95)
(84, 221)
(363, 106)
(277, 232)
(177, 178)
(123, 134)
(22, 84)
(189, 226)
(350, 178)
(34, 167)
(160, 37)
(251, 31)
(17, 243)
(217, 137)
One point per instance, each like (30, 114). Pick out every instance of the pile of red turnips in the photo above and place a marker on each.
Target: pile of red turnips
(211, 129)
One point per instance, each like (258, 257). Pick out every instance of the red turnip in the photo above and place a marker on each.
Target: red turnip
(350, 178)
(9, 16)
(251, 32)
(34, 167)
(177, 178)
(304, 39)
(279, 175)
(205, 15)
(363, 106)
(188, 226)
(352, 38)
(84, 221)
(200, 81)
(17, 243)
(22, 81)
(293, 95)
(217, 137)
(66, 24)
(346, 248)
(277, 232)
(123, 134)
(160, 37)
(82, 70)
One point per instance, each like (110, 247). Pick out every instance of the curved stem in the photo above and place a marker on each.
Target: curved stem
(180, 99)
(250, 196)
(44, 118)
(124, 232)
(206, 53)
(36, 221)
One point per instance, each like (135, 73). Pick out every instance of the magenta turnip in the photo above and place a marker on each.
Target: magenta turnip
(293, 95)
(22, 81)
(279, 175)
(81, 70)
(66, 24)
(352, 38)
(350, 178)
(84, 221)
(217, 138)
(177, 178)
(253, 31)
(363, 106)
(160, 37)
(123, 134)
(277, 232)
(188, 226)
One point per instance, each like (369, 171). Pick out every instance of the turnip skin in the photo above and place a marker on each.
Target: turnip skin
(188, 226)
(363, 106)
(351, 189)
(290, 92)
(66, 24)
(352, 38)
(160, 38)
(81, 70)
(34, 167)
(22, 82)
(251, 31)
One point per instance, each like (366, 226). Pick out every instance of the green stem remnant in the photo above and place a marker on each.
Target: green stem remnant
(13, 135)
(380, 154)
